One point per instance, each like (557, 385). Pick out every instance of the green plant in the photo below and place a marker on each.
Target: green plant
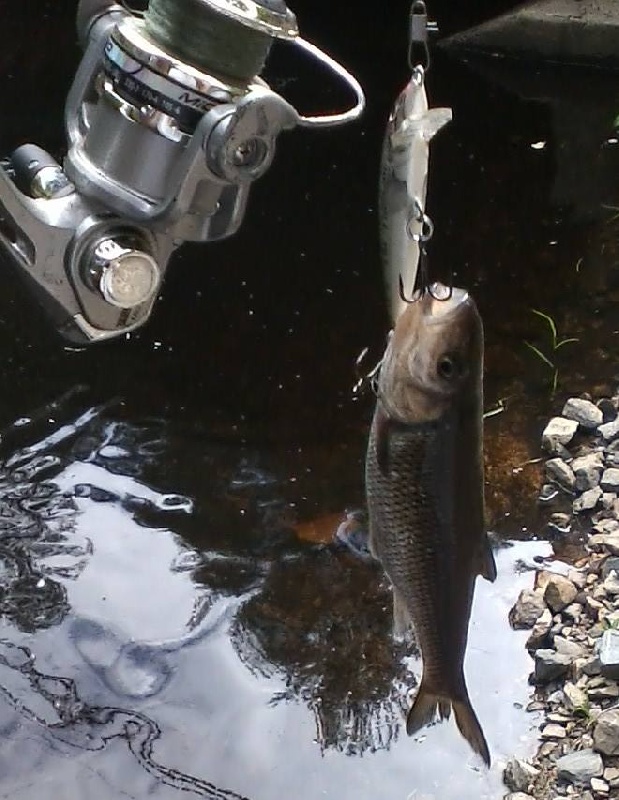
(554, 345)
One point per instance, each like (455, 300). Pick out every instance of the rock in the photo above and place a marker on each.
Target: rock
(587, 470)
(611, 776)
(605, 525)
(609, 481)
(568, 648)
(550, 665)
(553, 731)
(611, 583)
(610, 565)
(610, 541)
(518, 796)
(573, 612)
(609, 430)
(539, 635)
(580, 767)
(518, 775)
(528, 607)
(606, 733)
(608, 501)
(558, 431)
(589, 666)
(609, 654)
(599, 786)
(575, 699)
(588, 500)
(560, 473)
(608, 409)
(559, 593)
(578, 578)
(584, 412)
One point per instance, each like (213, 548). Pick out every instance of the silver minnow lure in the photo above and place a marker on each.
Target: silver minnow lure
(403, 183)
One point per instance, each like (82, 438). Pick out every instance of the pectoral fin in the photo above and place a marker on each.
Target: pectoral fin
(487, 568)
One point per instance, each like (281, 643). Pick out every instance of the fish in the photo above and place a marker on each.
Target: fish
(424, 482)
(403, 185)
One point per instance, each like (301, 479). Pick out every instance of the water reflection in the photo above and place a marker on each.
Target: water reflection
(167, 628)
(324, 624)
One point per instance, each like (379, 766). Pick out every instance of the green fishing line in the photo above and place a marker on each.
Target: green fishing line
(206, 39)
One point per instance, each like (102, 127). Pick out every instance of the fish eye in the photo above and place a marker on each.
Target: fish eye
(448, 367)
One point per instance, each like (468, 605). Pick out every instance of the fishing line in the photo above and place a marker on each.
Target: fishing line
(210, 41)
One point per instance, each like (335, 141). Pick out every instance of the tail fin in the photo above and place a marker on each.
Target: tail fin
(469, 727)
(428, 704)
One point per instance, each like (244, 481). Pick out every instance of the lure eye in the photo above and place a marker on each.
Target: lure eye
(448, 368)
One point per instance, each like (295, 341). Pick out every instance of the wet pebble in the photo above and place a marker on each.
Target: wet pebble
(584, 412)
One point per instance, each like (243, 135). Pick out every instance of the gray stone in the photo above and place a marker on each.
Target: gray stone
(518, 775)
(550, 665)
(599, 786)
(587, 470)
(558, 431)
(518, 796)
(568, 648)
(584, 412)
(573, 612)
(610, 541)
(539, 634)
(559, 593)
(575, 699)
(528, 607)
(611, 583)
(611, 564)
(609, 654)
(610, 430)
(578, 578)
(608, 501)
(580, 767)
(560, 473)
(610, 480)
(606, 733)
(553, 731)
(588, 500)
(611, 776)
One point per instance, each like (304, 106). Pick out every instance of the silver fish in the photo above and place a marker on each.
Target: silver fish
(403, 184)
(424, 487)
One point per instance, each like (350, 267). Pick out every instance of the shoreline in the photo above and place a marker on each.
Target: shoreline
(572, 613)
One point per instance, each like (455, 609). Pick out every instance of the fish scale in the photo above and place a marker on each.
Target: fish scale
(403, 504)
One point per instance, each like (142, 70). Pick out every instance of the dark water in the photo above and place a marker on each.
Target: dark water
(172, 617)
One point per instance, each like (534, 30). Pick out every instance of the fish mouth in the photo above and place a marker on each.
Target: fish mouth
(442, 301)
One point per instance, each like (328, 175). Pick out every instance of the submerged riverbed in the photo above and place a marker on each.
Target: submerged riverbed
(165, 556)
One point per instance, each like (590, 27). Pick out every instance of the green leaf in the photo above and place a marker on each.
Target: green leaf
(551, 324)
(540, 355)
(565, 341)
